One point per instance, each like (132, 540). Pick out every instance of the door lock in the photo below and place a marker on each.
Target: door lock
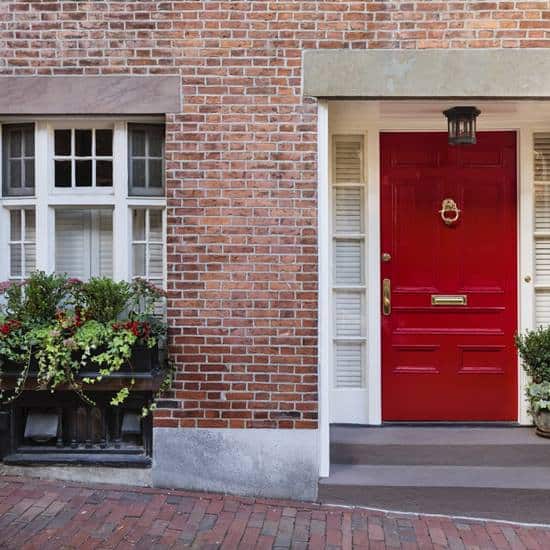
(386, 257)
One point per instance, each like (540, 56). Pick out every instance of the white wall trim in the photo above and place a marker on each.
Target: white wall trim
(526, 290)
(323, 229)
(374, 320)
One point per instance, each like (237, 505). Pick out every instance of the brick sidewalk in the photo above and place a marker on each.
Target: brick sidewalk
(48, 514)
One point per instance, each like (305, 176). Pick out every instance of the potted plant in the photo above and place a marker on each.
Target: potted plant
(534, 350)
(66, 334)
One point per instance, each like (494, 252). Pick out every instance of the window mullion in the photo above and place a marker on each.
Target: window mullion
(73, 156)
(147, 241)
(121, 217)
(23, 233)
(44, 220)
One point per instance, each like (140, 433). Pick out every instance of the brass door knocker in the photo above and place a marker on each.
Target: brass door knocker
(449, 211)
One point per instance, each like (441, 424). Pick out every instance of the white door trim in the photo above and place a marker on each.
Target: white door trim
(361, 122)
(324, 346)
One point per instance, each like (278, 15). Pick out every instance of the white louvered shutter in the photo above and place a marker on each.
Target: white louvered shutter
(84, 242)
(72, 243)
(542, 227)
(348, 274)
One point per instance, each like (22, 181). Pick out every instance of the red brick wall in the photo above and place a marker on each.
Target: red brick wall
(241, 162)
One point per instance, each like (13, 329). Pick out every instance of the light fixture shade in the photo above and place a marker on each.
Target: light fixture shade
(461, 122)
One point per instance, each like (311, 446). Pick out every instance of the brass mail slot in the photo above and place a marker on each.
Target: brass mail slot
(449, 300)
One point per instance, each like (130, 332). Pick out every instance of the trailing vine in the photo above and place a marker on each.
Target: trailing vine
(73, 334)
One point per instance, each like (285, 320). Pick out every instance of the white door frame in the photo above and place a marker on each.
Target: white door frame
(361, 118)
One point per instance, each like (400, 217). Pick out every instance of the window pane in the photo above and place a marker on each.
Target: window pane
(155, 261)
(15, 260)
(15, 174)
(17, 159)
(155, 142)
(62, 173)
(138, 260)
(83, 143)
(138, 173)
(83, 173)
(155, 226)
(29, 173)
(137, 143)
(15, 143)
(104, 143)
(155, 173)
(15, 225)
(104, 173)
(138, 224)
(62, 140)
(30, 225)
(30, 258)
(28, 136)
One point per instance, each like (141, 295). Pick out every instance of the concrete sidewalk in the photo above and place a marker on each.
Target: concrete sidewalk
(38, 514)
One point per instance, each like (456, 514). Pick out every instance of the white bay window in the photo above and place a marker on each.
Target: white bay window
(83, 197)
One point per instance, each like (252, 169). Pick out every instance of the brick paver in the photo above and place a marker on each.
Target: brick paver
(38, 514)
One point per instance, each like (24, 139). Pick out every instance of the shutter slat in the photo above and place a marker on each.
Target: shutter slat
(542, 207)
(348, 261)
(542, 307)
(348, 365)
(348, 159)
(542, 156)
(348, 206)
(348, 314)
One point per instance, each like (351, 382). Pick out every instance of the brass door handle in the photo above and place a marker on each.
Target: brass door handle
(386, 296)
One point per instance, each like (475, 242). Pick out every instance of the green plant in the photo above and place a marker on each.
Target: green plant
(76, 333)
(539, 397)
(37, 299)
(102, 299)
(534, 350)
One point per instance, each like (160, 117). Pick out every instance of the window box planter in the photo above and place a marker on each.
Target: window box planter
(146, 367)
(60, 406)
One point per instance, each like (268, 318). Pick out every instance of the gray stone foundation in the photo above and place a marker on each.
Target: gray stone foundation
(257, 462)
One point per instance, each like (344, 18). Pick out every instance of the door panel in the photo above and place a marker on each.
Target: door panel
(449, 361)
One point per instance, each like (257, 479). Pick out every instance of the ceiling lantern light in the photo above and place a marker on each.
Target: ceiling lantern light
(461, 123)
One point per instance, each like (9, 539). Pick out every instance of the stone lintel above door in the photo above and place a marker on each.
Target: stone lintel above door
(416, 74)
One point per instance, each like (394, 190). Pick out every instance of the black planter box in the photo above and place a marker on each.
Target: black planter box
(145, 367)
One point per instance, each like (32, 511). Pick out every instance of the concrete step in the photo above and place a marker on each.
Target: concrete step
(485, 472)
(477, 477)
(439, 446)
(514, 494)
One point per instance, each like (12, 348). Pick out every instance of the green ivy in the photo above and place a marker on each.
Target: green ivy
(68, 326)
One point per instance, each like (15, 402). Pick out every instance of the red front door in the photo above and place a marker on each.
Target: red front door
(448, 342)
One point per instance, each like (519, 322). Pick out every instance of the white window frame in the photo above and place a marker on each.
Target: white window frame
(147, 242)
(22, 243)
(47, 197)
(72, 157)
